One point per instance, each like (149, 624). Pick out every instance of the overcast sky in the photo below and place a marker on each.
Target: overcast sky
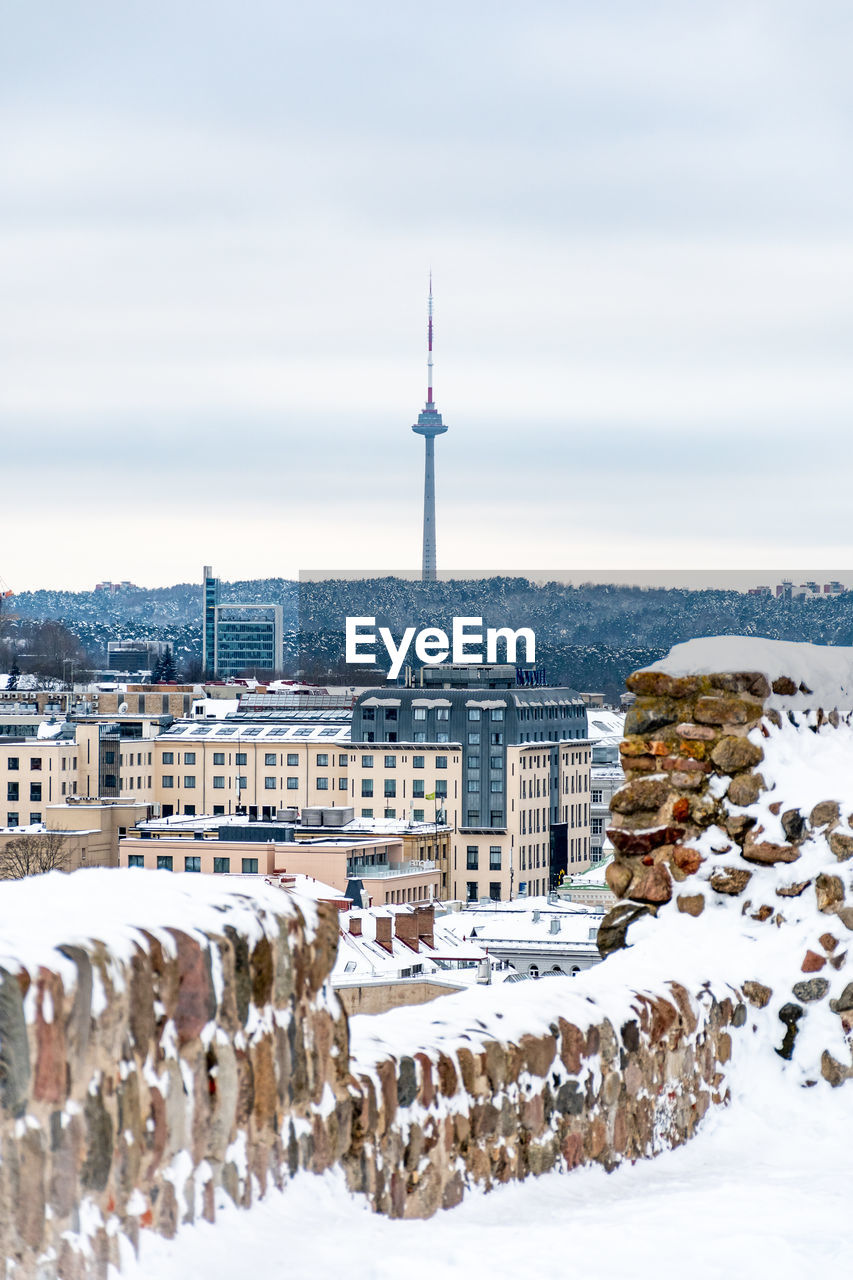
(216, 224)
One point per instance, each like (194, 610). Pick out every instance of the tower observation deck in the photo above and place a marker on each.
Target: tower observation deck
(429, 425)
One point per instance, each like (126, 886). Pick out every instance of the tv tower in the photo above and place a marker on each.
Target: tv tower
(429, 425)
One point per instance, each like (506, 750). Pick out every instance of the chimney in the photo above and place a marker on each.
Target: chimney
(555, 924)
(406, 928)
(383, 933)
(425, 917)
(355, 926)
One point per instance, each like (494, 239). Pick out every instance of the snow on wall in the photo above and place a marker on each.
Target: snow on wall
(160, 1037)
(737, 815)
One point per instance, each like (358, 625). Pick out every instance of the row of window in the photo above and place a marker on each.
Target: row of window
(192, 862)
(13, 819)
(418, 788)
(241, 780)
(472, 857)
(13, 792)
(418, 762)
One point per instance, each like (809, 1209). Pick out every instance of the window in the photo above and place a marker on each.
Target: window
(221, 866)
(168, 780)
(292, 759)
(418, 815)
(366, 787)
(390, 762)
(164, 862)
(473, 713)
(242, 781)
(240, 757)
(496, 739)
(109, 757)
(189, 757)
(496, 786)
(13, 762)
(322, 784)
(342, 760)
(390, 813)
(342, 784)
(419, 736)
(441, 762)
(250, 866)
(35, 762)
(497, 713)
(390, 787)
(473, 739)
(367, 813)
(168, 757)
(367, 737)
(473, 818)
(497, 818)
(34, 818)
(292, 784)
(189, 781)
(322, 760)
(367, 762)
(218, 809)
(597, 797)
(391, 713)
(597, 826)
(12, 820)
(269, 759)
(189, 810)
(35, 791)
(135, 860)
(472, 891)
(418, 788)
(13, 791)
(269, 784)
(441, 788)
(368, 713)
(442, 737)
(219, 782)
(442, 713)
(494, 857)
(473, 784)
(495, 891)
(219, 757)
(496, 762)
(419, 713)
(472, 858)
(192, 862)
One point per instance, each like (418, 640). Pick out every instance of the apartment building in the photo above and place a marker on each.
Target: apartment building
(35, 772)
(507, 765)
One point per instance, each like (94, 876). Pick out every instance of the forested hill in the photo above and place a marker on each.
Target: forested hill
(589, 636)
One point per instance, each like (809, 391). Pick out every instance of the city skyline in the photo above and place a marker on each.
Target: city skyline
(640, 226)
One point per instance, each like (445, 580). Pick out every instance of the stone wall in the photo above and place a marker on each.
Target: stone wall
(141, 1081)
(477, 1101)
(724, 807)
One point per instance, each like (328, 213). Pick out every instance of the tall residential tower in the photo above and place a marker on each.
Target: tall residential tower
(429, 425)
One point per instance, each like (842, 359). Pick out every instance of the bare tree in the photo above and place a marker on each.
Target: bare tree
(32, 853)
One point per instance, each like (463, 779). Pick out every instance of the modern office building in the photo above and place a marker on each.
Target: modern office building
(239, 638)
(136, 655)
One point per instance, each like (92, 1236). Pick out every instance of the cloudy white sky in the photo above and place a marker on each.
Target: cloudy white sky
(216, 222)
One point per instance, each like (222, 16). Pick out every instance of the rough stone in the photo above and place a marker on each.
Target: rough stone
(757, 994)
(640, 795)
(810, 990)
(650, 714)
(793, 824)
(793, 890)
(612, 932)
(730, 880)
(766, 852)
(731, 754)
(696, 732)
(687, 860)
(746, 788)
(824, 813)
(790, 1015)
(784, 685)
(14, 1047)
(829, 891)
(618, 878)
(844, 1002)
(691, 904)
(812, 962)
(841, 845)
(651, 885)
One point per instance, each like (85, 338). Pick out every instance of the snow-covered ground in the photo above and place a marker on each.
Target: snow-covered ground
(764, 1190)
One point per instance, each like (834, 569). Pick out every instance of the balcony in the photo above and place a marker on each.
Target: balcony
(385, 870)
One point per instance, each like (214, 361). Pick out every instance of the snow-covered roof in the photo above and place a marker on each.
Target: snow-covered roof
(237, 732)
(362, 958)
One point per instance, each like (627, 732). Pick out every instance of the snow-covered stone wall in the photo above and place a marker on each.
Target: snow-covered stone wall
(164, 1041)
(504, 1082)
(737, 813)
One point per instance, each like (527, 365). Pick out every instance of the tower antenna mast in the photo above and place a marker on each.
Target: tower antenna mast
(429, 425)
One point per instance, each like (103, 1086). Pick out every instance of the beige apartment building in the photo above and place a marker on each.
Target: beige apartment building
(34, 773)
(380, 864)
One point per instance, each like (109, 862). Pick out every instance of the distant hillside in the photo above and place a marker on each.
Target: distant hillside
(588, 636)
